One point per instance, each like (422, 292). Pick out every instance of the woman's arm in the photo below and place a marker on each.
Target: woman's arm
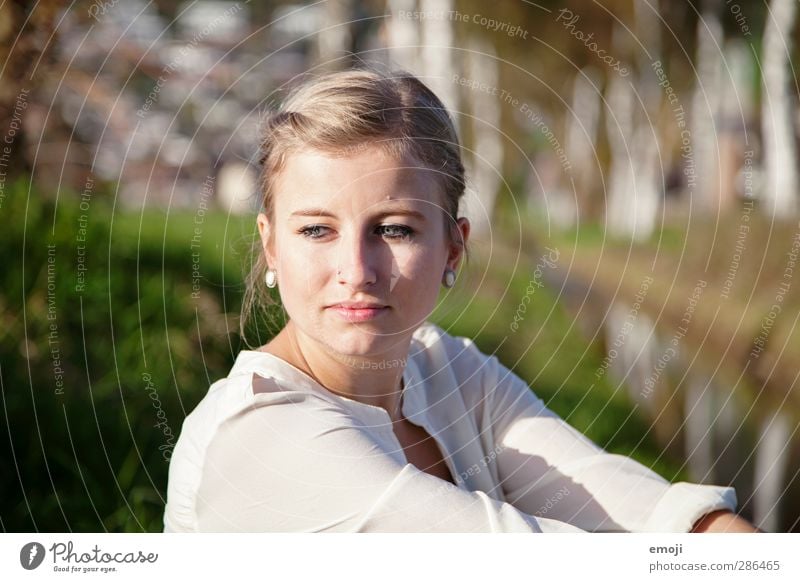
(723, 521)
(547, 468)
(298, 463)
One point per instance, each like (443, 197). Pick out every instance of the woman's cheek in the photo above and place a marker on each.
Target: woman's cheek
(416, 266)
(405, 263)
(302, 269)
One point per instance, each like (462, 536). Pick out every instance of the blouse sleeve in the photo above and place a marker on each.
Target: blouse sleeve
(298, 463)
(548, 468)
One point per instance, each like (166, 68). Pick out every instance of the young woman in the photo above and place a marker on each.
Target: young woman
(360, 415)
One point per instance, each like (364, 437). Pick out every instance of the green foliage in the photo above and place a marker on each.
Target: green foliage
(100, 367)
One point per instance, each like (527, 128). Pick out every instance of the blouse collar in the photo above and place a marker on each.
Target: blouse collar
(271, 366)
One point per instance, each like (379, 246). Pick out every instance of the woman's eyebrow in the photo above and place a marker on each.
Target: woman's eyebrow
(322, 212)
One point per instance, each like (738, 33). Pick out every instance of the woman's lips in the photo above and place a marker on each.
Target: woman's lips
(358, 314)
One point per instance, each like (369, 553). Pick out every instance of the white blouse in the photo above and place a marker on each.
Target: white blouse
(268, 449)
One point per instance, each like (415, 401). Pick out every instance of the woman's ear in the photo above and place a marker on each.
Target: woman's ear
(458, 243)
(265, 232)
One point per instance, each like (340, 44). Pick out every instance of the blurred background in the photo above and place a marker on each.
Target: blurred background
(633, 189)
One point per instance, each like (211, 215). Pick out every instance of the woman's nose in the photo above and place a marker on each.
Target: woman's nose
(356, 261)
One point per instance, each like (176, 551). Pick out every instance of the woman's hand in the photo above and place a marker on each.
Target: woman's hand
(723, 521)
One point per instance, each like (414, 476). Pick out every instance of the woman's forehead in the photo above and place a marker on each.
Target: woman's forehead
(371, 178)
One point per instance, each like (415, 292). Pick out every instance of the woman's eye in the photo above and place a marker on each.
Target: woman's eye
(395, 231)
(313, 231)
(389, 231)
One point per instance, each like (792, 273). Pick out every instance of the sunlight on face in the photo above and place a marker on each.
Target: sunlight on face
(366, 229)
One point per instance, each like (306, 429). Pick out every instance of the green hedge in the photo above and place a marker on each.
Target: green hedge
(109, 337)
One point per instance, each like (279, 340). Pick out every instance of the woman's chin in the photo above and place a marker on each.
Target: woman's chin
(357, 348)
(360, 343)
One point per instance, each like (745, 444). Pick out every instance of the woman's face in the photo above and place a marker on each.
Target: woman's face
(360, 231)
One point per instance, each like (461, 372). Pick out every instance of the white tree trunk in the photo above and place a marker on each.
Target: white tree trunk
(236, 183)
(737, 109)
(780, 158)
(633, 189)
(620, 195)
(333, 38)
(485, 165)
(772, 460)
(699, 410)
(403, 35)
(438, 62)
(581, 131)
(706, 103)
(738, 96)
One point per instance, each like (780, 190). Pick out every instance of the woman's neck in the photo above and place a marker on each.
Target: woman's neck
(373, 380)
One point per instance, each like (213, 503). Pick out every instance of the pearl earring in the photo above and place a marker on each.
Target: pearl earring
(449, 278)
(271, 278)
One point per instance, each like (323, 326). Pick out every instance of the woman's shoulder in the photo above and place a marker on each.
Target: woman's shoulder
(449, 364)
(431, 335)
(258, 377)
(432, 342)
(250, 398)
(439, 354)
(255, 387)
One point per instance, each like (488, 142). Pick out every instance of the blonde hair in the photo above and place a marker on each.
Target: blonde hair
(339, 113)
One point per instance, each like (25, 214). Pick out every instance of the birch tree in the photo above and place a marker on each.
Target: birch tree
(485, 163)
(706, 103)
(780, 152)
(402, 34)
